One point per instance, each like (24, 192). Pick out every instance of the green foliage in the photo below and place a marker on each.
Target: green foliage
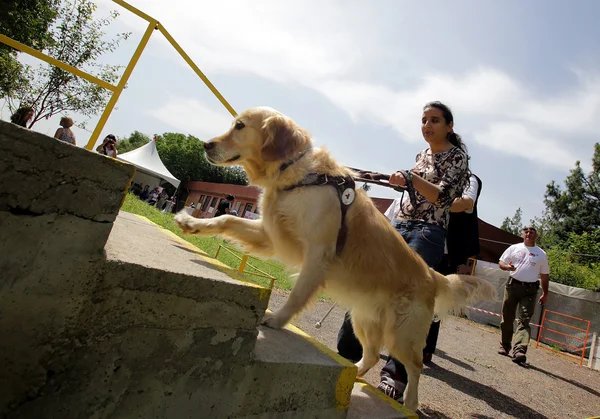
(585, 247)
(566, 269)
(28, 22)
(210, 245)
(576, 209)
(183, 155)
(513, 225)
(77, 39)
(569, 228)
(135, 140)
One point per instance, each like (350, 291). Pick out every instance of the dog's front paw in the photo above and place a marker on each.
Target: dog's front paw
(271, 320)
(187, 223)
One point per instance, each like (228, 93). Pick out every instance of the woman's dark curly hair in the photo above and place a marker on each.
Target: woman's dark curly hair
(19, 116)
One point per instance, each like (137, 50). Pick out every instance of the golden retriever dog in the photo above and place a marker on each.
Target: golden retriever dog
(391, 292)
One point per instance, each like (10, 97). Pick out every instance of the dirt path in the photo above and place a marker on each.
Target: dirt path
(467, 379)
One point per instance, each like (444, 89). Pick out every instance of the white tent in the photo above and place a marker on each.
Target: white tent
(147, 160)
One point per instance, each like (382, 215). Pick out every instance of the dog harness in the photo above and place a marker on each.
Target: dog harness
(345, 187)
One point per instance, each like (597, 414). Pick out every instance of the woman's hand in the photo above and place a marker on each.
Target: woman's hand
(397, 179)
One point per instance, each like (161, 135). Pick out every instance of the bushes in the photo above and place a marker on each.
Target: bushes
(565, 268)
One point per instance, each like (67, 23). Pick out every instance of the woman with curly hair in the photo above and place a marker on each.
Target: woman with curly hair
(65, 134)
(22, 116)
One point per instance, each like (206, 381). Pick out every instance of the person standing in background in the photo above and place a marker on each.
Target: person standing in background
(65, 134)
(527, 264)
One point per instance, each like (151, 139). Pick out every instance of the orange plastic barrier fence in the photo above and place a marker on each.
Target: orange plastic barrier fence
(544, 328)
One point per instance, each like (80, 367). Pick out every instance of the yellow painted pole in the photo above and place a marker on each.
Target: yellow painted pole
(474, 265)
(197, 70)
(40, 55)
(217, 254)
(134, 10)
(243, 264)
(124, 78)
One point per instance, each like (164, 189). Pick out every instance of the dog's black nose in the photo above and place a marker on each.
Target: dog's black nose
(209, 146)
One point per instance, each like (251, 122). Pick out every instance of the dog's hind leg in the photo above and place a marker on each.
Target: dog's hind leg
(369, 334)
(310, 280)
(405, 338)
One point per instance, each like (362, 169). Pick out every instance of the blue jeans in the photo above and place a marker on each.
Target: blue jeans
(425, 239)
(428, 241)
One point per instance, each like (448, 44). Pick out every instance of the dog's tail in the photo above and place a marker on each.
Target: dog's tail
(455, 291)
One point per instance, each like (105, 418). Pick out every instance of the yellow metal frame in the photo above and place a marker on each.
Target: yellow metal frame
(243, 262)
(153, 24)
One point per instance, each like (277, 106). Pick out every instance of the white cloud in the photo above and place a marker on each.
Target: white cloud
(192, 117)
(517, 139)
(494, 109)
(330, 47)
(283, 41)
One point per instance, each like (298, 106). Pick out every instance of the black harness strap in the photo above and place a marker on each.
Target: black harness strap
(345, 187)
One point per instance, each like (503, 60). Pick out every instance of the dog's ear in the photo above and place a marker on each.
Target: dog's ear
(283, 138)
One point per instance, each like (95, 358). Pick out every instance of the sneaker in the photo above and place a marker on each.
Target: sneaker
(391, 391)
(503, 350)
(519, 358)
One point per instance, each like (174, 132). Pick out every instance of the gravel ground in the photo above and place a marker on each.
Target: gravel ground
(468, 379)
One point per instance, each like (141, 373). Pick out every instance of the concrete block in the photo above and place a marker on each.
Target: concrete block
(295, 376)
(49, 267)
(192, 291)
(45, 254)
(367, 402)
(140, 373)
(41, 175)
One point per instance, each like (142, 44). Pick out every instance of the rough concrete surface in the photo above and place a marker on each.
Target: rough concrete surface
(146, 261)
(468, 379)
(41, 175)
(368, 402)
(48, 266)
(152, 331)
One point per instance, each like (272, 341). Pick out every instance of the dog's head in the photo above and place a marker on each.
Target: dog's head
(258, 136)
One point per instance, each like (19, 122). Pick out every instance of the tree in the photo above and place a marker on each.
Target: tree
(184, 157)
(513, 225)
(77, 40)
(28, 22)
(135, 140)
(575, 209)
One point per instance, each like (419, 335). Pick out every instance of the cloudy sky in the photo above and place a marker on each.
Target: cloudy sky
(522, 78)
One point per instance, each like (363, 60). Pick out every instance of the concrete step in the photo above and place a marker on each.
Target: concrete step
(367, 402)
(297, 377)
(294, 375)
(175, 284)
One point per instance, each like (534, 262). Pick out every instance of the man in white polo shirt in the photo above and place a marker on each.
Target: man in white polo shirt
(527, 264)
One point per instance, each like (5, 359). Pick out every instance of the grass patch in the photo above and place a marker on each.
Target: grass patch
(210, 245)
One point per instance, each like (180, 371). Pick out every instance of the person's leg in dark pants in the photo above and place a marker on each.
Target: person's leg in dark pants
(348, 345)
(428, 242)
(509, 308)
(523, 332)
(432, 338)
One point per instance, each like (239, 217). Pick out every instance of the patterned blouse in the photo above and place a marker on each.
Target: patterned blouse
(67, 136)
(449, 171)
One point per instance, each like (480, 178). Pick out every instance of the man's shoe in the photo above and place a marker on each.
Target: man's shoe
(503, 350)
(519, 358)
(427, 357)
(391, 391)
